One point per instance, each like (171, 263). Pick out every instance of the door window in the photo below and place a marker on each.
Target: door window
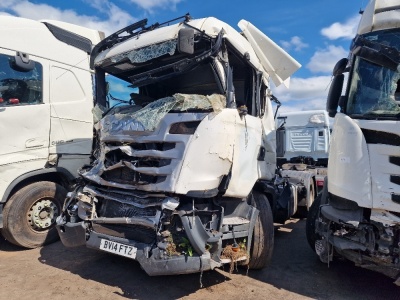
(19, 87)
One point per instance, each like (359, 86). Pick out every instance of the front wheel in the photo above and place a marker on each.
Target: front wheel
(262, 243)
(29, 215)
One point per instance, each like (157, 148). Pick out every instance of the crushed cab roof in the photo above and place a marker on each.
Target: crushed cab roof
(263, 53)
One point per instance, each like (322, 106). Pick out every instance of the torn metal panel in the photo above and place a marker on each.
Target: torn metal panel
(247, 143)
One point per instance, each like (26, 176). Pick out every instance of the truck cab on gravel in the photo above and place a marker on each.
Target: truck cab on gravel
(357, 215)
(176, 180)
(46, 99)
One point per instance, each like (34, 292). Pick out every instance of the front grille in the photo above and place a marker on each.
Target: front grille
(115, 209)
(116, 205)
(136, 163)
(125, 175)
(300, 140)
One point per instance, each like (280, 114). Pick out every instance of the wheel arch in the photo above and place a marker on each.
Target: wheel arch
(268, 190)
(57, 175)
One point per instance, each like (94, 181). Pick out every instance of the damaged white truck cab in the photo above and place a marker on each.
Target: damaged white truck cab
(358, 213)
(46, 99)
(177, 183)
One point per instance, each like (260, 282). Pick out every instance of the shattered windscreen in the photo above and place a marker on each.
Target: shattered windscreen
(374, 90)
(148, 118)
(148, 53)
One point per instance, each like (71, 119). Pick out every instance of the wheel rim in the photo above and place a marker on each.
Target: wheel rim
(42, 214)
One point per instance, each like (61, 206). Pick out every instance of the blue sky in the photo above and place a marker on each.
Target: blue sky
(316, 33)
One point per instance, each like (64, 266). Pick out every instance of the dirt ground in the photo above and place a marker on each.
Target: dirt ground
(55, 272)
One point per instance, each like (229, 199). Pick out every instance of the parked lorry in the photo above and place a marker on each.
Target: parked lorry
(183, 178)
(46, 99)
(357, 215)
(302, 139)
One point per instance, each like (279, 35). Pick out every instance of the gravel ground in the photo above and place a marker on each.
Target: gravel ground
(55, 272)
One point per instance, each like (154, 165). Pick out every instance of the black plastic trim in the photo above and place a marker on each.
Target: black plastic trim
(381, 137)
(395, 179)
(70, 38)
(394, 160)
(203, 194)
(342, 203)
(396, 198)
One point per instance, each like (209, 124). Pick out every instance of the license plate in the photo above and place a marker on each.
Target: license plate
(118, 248)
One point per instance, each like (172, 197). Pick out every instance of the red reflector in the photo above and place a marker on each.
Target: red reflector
(1, 100)
(13, 101)
(320, 183)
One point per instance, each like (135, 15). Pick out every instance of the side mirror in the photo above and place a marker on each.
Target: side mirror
(186, 41)
(22, 62)
(340, 67)
(334, 94)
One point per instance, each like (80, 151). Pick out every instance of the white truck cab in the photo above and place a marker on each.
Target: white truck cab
(46, 101)
(181, 176)
(303, 135)
(358, 213)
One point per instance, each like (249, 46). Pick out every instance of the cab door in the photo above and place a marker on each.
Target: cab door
(24, 112)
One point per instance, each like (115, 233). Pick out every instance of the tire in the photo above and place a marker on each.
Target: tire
(29, 215)
(313, 213)
(262, 243)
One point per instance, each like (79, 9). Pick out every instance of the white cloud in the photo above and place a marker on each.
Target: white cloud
(150, 4)
(115, 17)
(294, 43)
(325, 59)
(346, 30)
(304, 93)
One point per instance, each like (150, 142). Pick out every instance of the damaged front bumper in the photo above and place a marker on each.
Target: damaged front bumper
(168, 236)
(152, 262)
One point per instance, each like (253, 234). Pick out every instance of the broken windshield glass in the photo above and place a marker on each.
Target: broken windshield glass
(374, 90)
(147, 53)
(148, 118)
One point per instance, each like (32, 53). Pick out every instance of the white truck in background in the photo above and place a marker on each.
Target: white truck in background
(183, 178)
(46, 101)
(302, 140)
(303, 137)
(357, 215)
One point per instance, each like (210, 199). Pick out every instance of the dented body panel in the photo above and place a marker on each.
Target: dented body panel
(183, 174)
